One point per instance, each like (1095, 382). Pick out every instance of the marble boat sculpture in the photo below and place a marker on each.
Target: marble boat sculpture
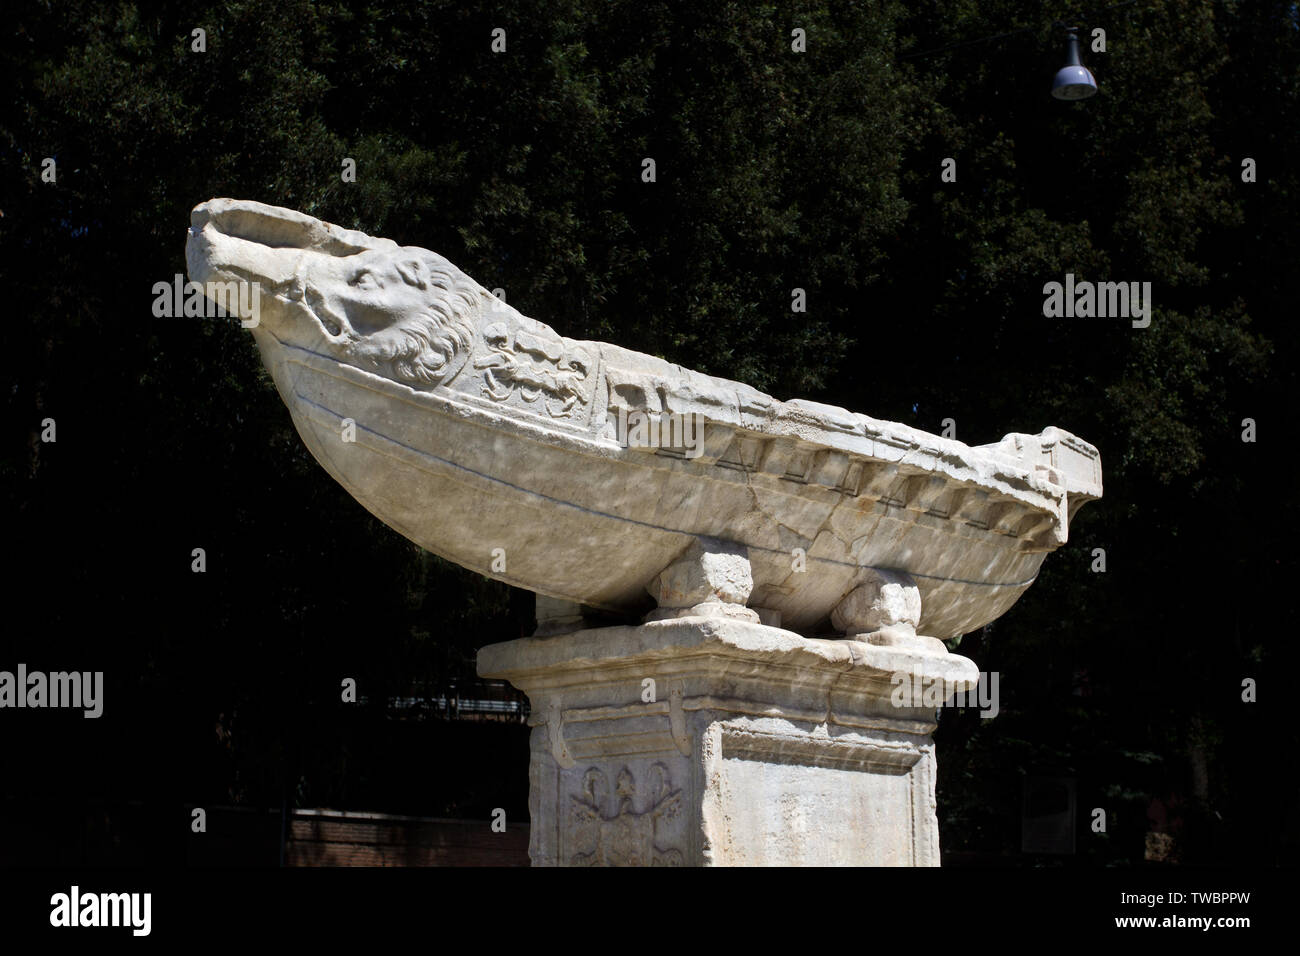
(491, 440)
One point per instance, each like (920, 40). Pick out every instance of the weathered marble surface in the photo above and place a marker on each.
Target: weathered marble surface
(484, 436)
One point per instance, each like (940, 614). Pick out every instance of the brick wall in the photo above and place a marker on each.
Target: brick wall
(335, 838)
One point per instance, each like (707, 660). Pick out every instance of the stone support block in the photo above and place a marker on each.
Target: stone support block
(711, 579)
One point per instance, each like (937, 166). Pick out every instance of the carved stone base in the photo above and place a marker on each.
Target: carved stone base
(715, 741)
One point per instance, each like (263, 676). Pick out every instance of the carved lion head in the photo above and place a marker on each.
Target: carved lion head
(401, 312)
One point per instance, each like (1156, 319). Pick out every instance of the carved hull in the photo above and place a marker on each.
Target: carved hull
(489, 439)
(593, 522)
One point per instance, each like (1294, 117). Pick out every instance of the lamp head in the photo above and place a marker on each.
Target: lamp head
(1074, 81)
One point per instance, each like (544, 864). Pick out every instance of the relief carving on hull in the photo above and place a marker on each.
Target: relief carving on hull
(526, 365)
(611, 832)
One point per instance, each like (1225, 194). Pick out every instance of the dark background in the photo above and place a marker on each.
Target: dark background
(775, 170)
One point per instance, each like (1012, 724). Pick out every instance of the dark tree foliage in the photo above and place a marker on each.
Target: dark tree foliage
(775, 170)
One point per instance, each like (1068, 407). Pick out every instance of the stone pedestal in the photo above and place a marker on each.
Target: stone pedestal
(714, 740)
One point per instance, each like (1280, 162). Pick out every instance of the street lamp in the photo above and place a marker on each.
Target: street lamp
(1074, 81)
